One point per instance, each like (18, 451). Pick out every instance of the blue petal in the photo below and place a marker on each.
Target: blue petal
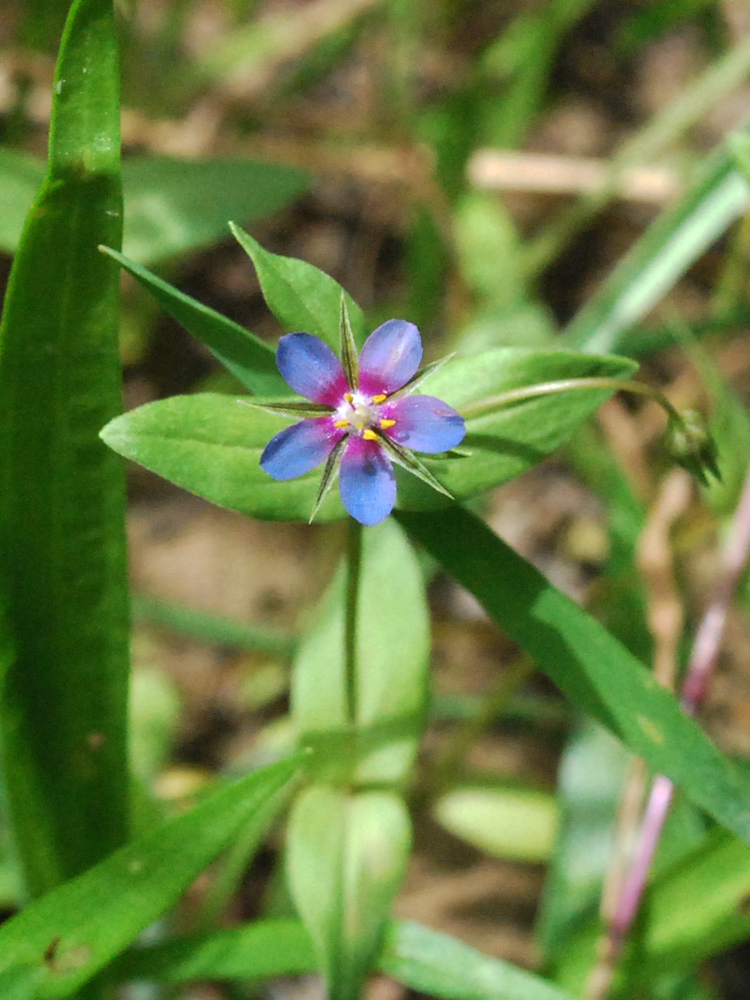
(366, 482)
(424, 423)
(311, 368)
(299, 448)
(390, 357)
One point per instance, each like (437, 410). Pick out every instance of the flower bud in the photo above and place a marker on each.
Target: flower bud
(688, 441)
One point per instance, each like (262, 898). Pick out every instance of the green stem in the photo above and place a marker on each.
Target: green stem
(567, 385)
(353, 569)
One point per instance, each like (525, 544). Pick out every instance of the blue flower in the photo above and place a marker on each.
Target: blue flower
(361, 416)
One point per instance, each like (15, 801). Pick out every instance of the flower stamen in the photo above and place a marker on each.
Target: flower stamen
(385, 423)
(369, 435)
(380, 398)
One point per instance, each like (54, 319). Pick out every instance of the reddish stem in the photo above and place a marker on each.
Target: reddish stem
(703, 659)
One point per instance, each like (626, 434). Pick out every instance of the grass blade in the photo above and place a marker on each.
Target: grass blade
(92, 918)
(62, 541)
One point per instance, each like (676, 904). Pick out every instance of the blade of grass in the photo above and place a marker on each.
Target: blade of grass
(62, 539)
(721, 78)
(72, 932)
(209, 628)
(660, 257)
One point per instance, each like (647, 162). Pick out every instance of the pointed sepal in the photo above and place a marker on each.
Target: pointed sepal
(348, 347)
(407, 459)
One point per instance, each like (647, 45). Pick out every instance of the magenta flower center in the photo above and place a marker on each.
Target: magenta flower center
(359, 413)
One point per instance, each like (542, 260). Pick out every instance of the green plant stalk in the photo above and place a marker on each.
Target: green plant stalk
(567, 385)
(353, 573)
(63, 700)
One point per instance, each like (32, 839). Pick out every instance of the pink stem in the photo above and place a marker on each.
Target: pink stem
(702, 663)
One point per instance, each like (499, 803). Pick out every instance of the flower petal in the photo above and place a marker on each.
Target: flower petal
(390, 357)
(366, 481)
(299, 448)
(311, 368)
(424, 423)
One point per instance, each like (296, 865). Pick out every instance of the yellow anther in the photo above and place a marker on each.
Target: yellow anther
(380, 398)
(385, 424)
(348, 397)
(369, 435)
(340, 423)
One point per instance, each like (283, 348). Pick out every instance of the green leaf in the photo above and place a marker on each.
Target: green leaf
(21, 983)
(62, 539)
(300, 296)
(439, 965)
(504, 443)
(82, 924)
(175, 206)
(247, 357)
(515, 823)
(172, 206)
(425, 960)
(212, 444)
(392, 649)
(346, 856)
(20, 177)
(259, 950)
(599, 675)
(591, 777)
(660, 257)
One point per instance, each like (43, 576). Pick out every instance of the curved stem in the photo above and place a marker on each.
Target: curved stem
(567, 385)
(353, 569)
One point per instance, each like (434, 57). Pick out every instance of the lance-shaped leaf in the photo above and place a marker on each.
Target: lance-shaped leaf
(246, 356)
(346, 856)
(390, 661)
(599, 675)
(62, 539)
(77, 928)
(172, 206)
(301, 297)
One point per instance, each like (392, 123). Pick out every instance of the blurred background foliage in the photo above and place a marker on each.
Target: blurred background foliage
(501, 173)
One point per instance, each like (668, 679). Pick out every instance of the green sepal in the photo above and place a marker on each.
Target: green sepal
(348, 347)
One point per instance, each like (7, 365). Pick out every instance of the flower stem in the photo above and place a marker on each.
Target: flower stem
(353, 569)
(566, 385)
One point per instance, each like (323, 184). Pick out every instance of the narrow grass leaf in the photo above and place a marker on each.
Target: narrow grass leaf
(80, 926)
(599, 675)
(660, 257)
(62, 539)
(246, 356)
(300, 296)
